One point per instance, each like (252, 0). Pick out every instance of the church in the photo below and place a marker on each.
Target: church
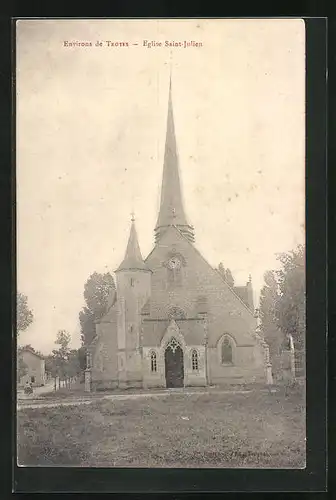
(173, 320)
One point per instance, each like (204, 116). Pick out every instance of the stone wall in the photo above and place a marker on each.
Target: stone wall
(225, 311)
(211, 311)
(133, 289)
(104, 355)
(191, 377)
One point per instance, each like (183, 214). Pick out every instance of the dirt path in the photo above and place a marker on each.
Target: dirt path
(118, 397)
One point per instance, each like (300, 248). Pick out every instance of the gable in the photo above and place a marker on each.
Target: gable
(199, 281)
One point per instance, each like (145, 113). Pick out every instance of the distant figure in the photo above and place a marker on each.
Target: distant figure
(287, 343)
(28, 389)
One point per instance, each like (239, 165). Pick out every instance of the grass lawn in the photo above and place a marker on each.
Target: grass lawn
(258, 429)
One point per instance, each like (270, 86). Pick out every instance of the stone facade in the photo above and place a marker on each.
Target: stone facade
(35, 368)
(174, 320)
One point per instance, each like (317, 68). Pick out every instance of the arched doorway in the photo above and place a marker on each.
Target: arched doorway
(174, 364)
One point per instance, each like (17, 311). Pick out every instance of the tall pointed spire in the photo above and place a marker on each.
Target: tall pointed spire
(171, 206)
(133, 259)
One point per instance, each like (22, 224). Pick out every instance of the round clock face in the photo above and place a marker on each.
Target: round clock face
(174, 263)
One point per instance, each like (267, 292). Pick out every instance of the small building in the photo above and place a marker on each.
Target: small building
(35, 367)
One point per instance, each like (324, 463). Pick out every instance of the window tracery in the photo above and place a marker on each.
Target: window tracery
(194, 360)
(153, 359)
(176, 313)
(173, 344)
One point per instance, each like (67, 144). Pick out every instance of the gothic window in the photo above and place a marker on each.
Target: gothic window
(194, 360)
(176, 313)
(226, 351)
(153, 362)
(132, 282)
(173, 344)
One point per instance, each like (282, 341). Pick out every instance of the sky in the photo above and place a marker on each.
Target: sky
(91, 123)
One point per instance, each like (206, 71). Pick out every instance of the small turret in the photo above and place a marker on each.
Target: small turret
(133, 290)
(133, 259)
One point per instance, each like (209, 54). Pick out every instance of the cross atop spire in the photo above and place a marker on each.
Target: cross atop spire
(171, 206)
(133, 259)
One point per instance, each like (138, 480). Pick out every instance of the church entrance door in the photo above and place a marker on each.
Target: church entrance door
(174, 366)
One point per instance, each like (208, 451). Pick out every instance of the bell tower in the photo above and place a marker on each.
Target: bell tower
(133, 289)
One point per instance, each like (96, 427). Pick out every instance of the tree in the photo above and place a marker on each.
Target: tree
(97, 290)
(73, 366)
(226, 274)
(82, 361)
(82, 358)
(291, 310)
(221, 269)
(282, 305)
(63, 339)
(64, 362)
(24, 316)
(273, 335)
(87, 320)
(229, 278)
(28, 346)
(61, 355)
(51, 367)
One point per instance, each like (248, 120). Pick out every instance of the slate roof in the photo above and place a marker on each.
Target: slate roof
(133, 258)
